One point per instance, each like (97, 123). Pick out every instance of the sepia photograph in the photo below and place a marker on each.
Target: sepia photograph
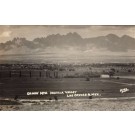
(67, 67)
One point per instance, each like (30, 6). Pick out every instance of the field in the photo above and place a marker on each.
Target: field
(67, 87)
(76, 105)
(26, 88)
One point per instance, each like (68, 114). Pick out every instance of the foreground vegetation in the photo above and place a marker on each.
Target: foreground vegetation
(77, 105)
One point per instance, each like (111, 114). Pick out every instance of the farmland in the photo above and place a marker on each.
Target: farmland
(54, 82)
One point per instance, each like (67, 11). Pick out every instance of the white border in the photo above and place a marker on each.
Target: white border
(67, 12)
(71, 12)
(73, 123)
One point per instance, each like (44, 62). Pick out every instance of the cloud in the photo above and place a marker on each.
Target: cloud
(53, 26)
(5, 34)
(85, 31)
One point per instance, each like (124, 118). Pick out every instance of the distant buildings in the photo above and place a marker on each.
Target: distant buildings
(104, 76)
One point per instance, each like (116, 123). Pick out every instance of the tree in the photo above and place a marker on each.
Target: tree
(112, 72)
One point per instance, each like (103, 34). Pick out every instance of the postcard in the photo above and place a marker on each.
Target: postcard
(67, 67)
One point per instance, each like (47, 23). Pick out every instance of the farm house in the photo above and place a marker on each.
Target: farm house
(104, 76)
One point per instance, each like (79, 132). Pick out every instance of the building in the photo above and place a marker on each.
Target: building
(104, 76)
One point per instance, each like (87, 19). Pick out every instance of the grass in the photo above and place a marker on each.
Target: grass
(97, 85)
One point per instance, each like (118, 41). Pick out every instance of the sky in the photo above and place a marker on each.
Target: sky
(85, 31)
(33, 31)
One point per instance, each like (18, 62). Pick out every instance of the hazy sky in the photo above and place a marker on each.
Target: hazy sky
(31, 32)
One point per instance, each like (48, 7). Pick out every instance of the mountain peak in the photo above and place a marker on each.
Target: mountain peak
(21, 38)
(112, 35)
(125, 36)
(74, 34)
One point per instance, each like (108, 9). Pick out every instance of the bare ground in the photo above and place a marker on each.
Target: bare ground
(75, 105)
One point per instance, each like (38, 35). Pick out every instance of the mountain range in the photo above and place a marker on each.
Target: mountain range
(71, 42)
(68, 46)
